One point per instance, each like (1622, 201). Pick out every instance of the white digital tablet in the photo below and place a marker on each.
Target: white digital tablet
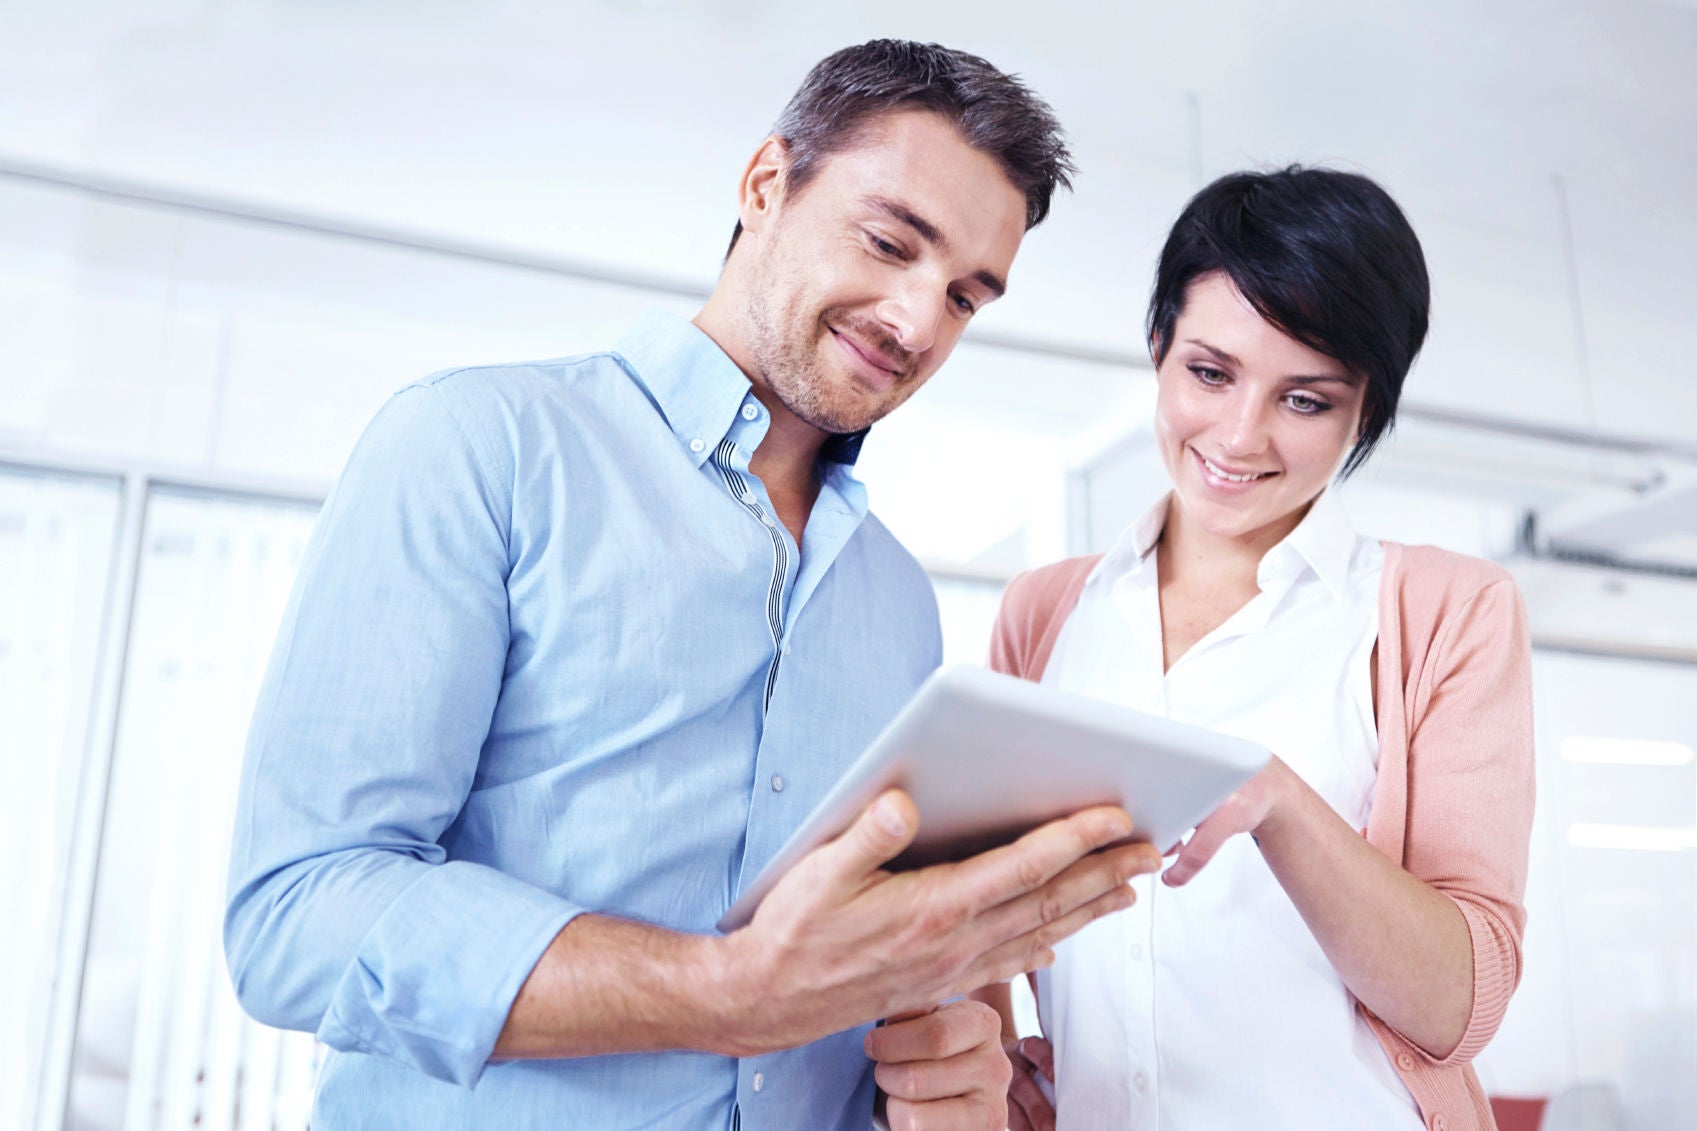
(988, 757)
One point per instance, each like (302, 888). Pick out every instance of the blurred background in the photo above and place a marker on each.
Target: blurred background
(230, 228)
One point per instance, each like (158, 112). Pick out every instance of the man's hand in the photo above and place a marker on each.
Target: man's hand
(840, 941)
(943, 1070)
(1029, 1108)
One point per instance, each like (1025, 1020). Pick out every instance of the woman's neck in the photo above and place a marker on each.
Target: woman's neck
(1189, 553)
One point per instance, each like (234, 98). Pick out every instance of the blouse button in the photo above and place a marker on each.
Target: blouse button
(1405, 1062)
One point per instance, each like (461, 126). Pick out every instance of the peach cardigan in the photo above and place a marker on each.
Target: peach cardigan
(1452, 801)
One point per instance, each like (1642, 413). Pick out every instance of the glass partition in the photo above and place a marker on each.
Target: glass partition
(161, 1042)
(57, 536)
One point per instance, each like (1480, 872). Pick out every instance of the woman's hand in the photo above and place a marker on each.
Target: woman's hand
(1257, 803)
(1029, 1108)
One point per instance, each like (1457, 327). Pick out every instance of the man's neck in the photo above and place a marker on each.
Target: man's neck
(787, 462)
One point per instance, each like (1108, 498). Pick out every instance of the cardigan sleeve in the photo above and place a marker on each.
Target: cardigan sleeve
(1011, 634)
(1034, 608)
(1470, 782)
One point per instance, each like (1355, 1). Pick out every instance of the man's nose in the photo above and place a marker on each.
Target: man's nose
(912, 315)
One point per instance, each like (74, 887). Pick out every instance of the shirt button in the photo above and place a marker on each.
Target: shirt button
(749, 412)
(1405, 1062)
(759, 1081)
(1137, 952)
(697, 446)
(766, 520)
(777, 783)
(1141, 1081)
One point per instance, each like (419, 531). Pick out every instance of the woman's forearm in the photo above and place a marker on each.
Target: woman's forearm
(1402, 947)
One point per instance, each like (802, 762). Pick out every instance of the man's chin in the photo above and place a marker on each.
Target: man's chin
(841, 419)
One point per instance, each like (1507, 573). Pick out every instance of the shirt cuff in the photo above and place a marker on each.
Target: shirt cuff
(433, 981)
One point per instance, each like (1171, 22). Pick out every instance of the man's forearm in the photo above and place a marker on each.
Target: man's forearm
(838, 942)
(607, 985)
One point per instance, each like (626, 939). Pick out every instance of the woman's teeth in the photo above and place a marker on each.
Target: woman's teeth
(1228, 476)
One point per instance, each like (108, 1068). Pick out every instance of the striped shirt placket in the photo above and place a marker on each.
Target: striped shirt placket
(739, 489)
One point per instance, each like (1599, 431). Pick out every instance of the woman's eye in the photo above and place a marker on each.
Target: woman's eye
(1208, 376)
(1308, 406)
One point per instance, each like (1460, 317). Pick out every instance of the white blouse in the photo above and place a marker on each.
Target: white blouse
(1211, 1005)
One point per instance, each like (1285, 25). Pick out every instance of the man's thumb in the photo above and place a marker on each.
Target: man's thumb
(877, 836)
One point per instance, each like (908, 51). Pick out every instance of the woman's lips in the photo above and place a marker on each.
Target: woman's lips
(1227, 481)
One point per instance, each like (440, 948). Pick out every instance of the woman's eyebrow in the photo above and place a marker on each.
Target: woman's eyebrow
(1218, 354)
(1225, 358)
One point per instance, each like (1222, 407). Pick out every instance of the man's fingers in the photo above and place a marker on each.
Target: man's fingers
(937, 1035)
(1086, 880)
(1035, 949)
(956, 1113)
(877, 836)
(926, 1081)
(1001, 874)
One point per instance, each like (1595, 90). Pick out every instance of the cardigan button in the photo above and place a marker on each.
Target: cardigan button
(1439, 1123)
(1405, 1062)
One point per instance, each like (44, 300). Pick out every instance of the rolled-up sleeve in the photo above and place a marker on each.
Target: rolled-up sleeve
(345, 917)
(1471, 789)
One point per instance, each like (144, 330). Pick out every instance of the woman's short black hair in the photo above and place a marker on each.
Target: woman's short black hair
(1325, 256)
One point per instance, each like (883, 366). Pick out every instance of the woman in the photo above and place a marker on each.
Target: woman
(1342, 964)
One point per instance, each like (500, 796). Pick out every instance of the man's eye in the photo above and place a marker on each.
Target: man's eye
(885, 247)
(965, 305)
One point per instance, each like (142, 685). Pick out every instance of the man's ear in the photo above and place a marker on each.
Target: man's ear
(762, 185)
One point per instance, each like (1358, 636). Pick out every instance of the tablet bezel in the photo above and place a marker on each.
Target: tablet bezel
(987, 757)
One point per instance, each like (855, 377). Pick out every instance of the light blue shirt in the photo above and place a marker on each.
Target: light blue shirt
(551, 652)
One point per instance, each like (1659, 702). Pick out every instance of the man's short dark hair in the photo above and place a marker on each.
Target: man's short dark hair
(844, 95)
(1325, 256)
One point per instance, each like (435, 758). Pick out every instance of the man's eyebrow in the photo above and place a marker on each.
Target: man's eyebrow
(896, 210)
(1222, 356)
(928, 232)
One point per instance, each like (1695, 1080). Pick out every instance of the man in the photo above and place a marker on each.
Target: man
(579, 643)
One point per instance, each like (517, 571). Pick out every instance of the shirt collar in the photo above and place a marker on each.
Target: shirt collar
(1127, 554)
(697, 387)
(1323, 541)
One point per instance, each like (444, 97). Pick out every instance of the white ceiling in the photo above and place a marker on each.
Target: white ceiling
(612, 133)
